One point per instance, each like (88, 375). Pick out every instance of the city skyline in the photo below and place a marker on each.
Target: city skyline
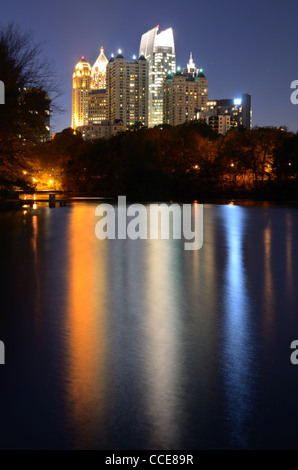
(243, 48)
(115, 95)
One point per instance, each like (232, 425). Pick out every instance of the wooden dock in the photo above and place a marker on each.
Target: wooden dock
(52, 200)
(22, 201)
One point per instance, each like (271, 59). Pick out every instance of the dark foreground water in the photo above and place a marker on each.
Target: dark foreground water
(142, 345)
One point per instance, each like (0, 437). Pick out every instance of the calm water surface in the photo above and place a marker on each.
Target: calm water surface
(125, 344)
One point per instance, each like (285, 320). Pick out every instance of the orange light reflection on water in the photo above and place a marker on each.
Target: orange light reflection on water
(86, 322)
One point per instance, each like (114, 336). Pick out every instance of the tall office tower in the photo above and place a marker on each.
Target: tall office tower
(183, 96)
(159, 50)
(127, 90)
(97, 106)
(99, 71)
(81, 85)
(246, 111)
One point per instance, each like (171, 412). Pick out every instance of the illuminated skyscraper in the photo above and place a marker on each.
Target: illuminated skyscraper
(159, 50)
(127, 90)
(183, 96)
(99, 71)
(81, 85)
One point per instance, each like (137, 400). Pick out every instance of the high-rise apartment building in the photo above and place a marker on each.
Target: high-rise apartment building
(184, 95)
(81, 85)
(87, 81)
(159, 50)
(127, 90)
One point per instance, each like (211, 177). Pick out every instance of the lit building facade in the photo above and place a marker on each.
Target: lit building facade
(223, 115)
(127, 90)
(183, 95)
(97, 106)
(81, 85)
(220, 124)
(104, 130)
(99, 71)
(239, 110)
(159, 50)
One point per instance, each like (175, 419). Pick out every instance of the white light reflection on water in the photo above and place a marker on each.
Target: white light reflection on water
(289, 254)
(163, 367)
(268, 293)
(237, 352)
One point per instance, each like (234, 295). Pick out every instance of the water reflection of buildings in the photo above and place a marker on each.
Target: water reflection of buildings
(238, 345)
(86, 330)
(162, 313)
(289, 253)
(268, 294)
(135, 345)
(36, 268)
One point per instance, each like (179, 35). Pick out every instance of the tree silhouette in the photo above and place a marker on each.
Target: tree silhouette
(30, 93)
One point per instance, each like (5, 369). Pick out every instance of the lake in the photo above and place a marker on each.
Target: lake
(122, 344)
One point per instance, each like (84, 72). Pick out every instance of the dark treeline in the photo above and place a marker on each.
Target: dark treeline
(184, 162)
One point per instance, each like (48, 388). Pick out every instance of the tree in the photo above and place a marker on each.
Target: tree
(286, 158)
(30, 93)
(259, 147)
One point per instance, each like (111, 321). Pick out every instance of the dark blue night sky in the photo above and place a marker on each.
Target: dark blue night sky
(243, 46)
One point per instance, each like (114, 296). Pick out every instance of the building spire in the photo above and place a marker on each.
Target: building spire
(99, 71)
(191, 66)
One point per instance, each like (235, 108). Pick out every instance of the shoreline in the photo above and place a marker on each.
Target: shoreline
(17, 204)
